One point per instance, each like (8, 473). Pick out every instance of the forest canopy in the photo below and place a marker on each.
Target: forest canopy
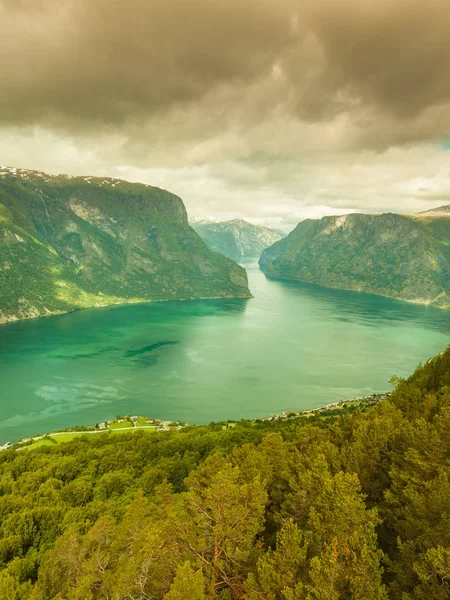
(345, 506)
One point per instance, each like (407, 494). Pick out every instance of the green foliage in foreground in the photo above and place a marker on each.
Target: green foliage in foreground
(344, 507)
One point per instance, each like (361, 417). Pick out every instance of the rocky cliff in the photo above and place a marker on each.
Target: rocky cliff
(236, 239)
(73, 242)
(404, 257)
(442, 211)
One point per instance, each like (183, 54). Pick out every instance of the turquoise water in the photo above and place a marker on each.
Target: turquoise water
(293, 346)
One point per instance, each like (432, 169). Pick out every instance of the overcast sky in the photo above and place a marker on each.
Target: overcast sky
(270, 110)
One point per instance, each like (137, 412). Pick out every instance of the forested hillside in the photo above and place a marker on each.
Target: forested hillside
(77, 242)
(398, 256)
(352, 506)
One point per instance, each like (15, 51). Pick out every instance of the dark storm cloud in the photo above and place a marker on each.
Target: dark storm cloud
(271, 110)
(82, 63)
(112, 60)
(383, 64)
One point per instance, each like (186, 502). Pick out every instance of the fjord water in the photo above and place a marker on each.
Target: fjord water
(293, 346)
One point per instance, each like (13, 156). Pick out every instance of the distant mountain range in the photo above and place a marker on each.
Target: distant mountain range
(236, 239)
(73, 242)
(398, 256)
(203, 220)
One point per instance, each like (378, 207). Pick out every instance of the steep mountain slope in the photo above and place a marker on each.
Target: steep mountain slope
(405, 257)
(73, 242)
(441, 211)
(237, 238)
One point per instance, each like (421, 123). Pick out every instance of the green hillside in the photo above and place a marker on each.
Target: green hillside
(73, 242)
(352, 505)
(404, 257)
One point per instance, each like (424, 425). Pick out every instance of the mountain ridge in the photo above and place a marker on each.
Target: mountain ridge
(76, 242)
(237, 238)
(406, 257)
(440, 211)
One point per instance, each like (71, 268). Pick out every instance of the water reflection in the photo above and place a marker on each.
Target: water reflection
(292, 346)
(349, 306)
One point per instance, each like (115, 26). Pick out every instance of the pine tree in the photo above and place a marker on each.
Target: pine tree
(433, 571)
(222, 516)
(345, 559)
(280, 573)
(188, 584)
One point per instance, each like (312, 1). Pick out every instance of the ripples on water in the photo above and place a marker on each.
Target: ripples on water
(293, 346)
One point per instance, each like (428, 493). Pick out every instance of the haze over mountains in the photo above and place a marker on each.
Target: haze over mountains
(237, 238)
(74, 242)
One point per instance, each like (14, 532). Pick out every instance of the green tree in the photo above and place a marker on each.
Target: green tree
(188, 584)
(345, 559)
(12, 589)
(221, 518)
(62, 566)
(280, 574)
(433, 571)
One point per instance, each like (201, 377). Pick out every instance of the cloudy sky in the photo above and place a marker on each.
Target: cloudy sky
(271, 110)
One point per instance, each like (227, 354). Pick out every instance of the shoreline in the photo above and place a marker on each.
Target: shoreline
(126, 303)
(369, 400)
(416, 302)
(120, 424)
(110, 426)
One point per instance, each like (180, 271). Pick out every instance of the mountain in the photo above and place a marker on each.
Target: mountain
(236, 239)
(399, 256)
(202, 220)
(73, 242)
(280, 232)
(441, 211)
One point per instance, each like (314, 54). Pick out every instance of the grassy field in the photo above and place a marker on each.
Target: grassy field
(114, 427)
(39, 443)
(117, 425)
(133, 430)
(67, 437)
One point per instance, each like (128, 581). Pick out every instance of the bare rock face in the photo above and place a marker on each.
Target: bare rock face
(236, 239)
(442, 211)
(73, 242)
(398, 256)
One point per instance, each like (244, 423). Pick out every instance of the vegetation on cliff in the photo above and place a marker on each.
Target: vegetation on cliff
(311, 508)
(73, 242)
(398, 256)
